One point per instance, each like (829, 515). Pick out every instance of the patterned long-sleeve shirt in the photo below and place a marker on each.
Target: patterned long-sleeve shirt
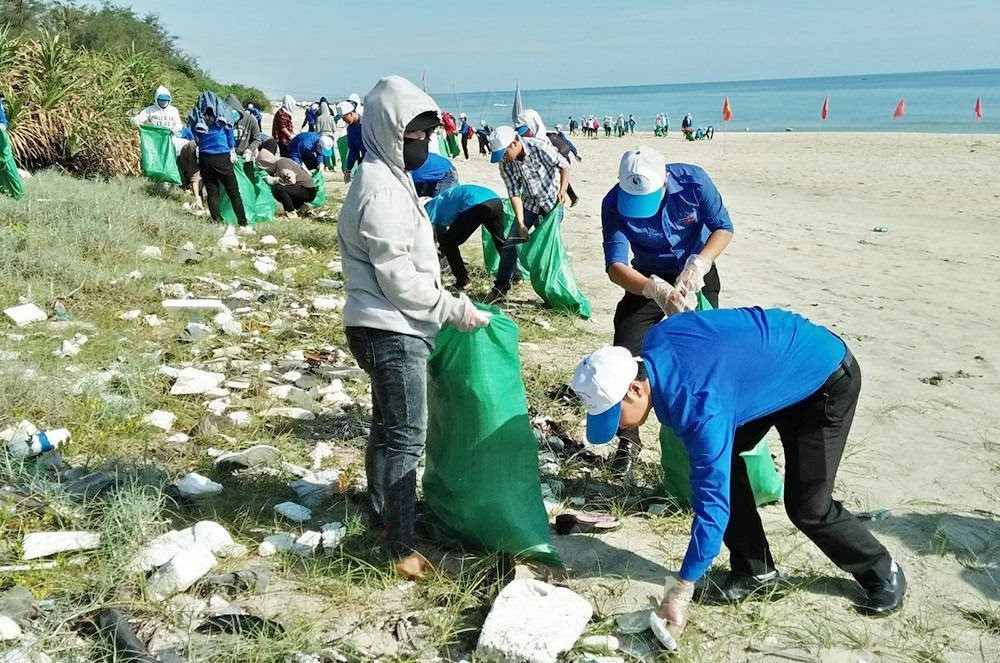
(535, 177)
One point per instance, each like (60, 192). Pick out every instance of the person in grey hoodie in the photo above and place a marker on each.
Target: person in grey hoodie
(396, 303)
(246, 131)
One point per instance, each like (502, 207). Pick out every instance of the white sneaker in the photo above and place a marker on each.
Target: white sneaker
(246, 230)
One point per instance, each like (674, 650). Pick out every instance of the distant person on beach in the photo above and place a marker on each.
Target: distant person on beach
(608, 124)
(307, 149)
(450, 131)
(256, 114)
(572, 126)
(349, 112)
(291, 185)
(483, 135)
(620, 126)
(435, 176)
(631, 123)
(672, 219)
(395, 306)
(721, 380)
(326, 126)
(536, 177)
(211, 122)
(687, 126)
(466, 132)
(666, 124)
(457, 213)
(283, 127)
(595, 126)
(311, 114)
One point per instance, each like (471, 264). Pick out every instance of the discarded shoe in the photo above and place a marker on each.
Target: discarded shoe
(585, 523)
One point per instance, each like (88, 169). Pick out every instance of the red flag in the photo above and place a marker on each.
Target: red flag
(979, 108)
(826, 108)
(727, 112)
(900, 109)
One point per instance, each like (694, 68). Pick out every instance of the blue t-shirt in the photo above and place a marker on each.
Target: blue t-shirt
(444, 207)
(302, 149)
(688, 214)
(217, 140)
(713, 371)
(432, 170)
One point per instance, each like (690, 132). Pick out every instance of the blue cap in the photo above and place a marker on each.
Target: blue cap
(601, 428)
(639, 206)
(497, 155)
(521, 130)
(327, 153)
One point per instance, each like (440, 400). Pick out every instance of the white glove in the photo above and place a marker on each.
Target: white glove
(468, 317)
(271, 179)
(692, 278)
(248, 155)
(670, 299)
(232, 156)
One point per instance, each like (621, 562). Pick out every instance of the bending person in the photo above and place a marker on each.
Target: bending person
(457, 213)
(291, 184)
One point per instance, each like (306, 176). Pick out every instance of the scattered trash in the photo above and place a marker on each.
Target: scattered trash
(880, 229)
(289, 413)
(268, 240)
(134, 314)
(877, 514)
(585, 523)
(631, 623)
(152, 320)
(9, 630)
(43, 544)
(254, 579)
(195, 485)
(275, 543)
(240, 418)
(195, 381)
(241, 624)
(203, 534)
(307, 543)
(294, 512)
(599, 643)
(25, 314)
(265, 265)
(533, 621)
(160, 419)
(126, 644)
(192, 307)
(328, 303)
(661, 631)
(152, 252)
(333, 536)
(315, 487)
(23, 444)
(184, 569)
(260, 455)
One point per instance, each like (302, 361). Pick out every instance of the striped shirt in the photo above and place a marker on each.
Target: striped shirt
(535, 177)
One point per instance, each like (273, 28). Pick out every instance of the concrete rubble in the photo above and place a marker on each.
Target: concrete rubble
(25, 314)
(43, 544)
(195, 485)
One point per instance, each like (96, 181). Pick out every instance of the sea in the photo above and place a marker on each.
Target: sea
(940, 101)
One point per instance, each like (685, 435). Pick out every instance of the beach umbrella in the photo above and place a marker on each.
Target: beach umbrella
(517, 108)
(979, 108)
(826, 108)
(900, 109)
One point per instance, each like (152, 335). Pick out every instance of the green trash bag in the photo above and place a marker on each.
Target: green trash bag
(342, 150)
(159, 158)
(10, 179)
(258, 201)
(320, 183)
(550, 268)
(443, 145)
(481, 484)
(491, 258)
(765, 482)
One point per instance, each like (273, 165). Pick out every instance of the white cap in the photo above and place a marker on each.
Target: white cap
(601, 381)
(345, 107)
(326, 142)
(641, 176)
(462, 115)
(500, 139)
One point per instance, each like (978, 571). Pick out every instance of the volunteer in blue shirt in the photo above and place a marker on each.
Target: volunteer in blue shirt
(211, 122)
(435, 176)
(672, 218)
(307, 149)
(350, 112)
(456, 214)
(721, 379)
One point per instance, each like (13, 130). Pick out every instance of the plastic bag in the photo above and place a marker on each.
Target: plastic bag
(765, 482)
(550, 268)
(320, 183)
(258, 201)
(491, 258)
(481, 482)
(159, 158)
(10, 179)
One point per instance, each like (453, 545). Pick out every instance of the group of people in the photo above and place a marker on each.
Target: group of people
(719, 378)
(590, 126)
(219, 135)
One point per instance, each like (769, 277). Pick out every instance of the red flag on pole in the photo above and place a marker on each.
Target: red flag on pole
(727, 112)
(900, 109)
(826, 108)
(979, 108)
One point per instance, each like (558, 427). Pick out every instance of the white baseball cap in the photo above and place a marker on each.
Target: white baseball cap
(641, 177)
(601, 381)
(500, 139)
(345, 107)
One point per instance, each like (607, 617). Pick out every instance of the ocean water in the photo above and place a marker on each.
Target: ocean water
(935, 102)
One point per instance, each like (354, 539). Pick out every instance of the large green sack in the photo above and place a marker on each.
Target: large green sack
(481, 484)
(342, 150)
(258, 201)
(452, 142)
(320, 183)
(443, 145)
(10, 179)
(550, 268)
(159, 158)
(765, 482)
(491, 258)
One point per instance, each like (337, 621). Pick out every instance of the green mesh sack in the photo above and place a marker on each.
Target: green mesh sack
(159, 158)
(551, 269)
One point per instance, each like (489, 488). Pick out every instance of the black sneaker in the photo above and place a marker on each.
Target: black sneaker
(495, 295)
(736, 587)
(461, 284)
(884, 597)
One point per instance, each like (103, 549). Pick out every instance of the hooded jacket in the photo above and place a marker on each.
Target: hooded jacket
(161, 117)
(282, 127)
(215, 136)
(246, 131)
(326, 123)
(386, 238)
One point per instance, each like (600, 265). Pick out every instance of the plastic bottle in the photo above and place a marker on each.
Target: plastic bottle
(23, 445)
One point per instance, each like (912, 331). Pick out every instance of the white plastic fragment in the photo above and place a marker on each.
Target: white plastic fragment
(134, 314)
(25, 314)
(295, 413)
(43, 544)
(294, 512)
(328, 303)
(206, 533)
(152, 252)
(333, 536)
(268, 240)
(196, 485)
(240, 418)
(195, 381)
(178, 438)
(659, 628)
(265, 265)
(599, 643)
(152, 320)
(160, 419)
(183, 570)
(9, 630)
(275, 543)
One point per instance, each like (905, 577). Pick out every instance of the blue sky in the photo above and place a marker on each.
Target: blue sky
(318, 47)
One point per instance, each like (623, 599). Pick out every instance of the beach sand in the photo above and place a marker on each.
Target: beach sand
(920, 308)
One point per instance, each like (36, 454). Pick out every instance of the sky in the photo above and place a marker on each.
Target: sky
(310, 48)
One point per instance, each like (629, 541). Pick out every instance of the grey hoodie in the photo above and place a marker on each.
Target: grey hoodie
(386, 241)
(246, 130)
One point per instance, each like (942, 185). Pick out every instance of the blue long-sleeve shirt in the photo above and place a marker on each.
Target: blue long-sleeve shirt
(572, 147)
(218, 139)
(713, 371)
(690, 211)
(355, 146)
(302, 149)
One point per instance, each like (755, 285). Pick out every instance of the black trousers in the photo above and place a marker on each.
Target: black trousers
(482, 145)
(465, 145)
(216, 171)
(294, 196)
(489, 215)
(813, 434)
(635, 315)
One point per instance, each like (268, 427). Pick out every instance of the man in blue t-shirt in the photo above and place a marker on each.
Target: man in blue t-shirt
(721, 380)
(435, 176)
(672, 220)
(458, 212)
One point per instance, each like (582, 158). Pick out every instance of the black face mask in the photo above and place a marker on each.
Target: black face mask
(414, 152)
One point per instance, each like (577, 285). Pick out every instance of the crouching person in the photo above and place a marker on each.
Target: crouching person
(457, 214)
(395, 303)
(291, 184)
(722, 379)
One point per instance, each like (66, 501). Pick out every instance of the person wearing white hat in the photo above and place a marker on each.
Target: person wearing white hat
(536, 177)
(672, 220)
(722, 379)
(350, 112)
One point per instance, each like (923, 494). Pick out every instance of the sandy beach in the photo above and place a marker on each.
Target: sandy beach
(918, 306)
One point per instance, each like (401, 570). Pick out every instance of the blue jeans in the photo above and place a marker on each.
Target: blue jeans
(397, 366)
(508, 255)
